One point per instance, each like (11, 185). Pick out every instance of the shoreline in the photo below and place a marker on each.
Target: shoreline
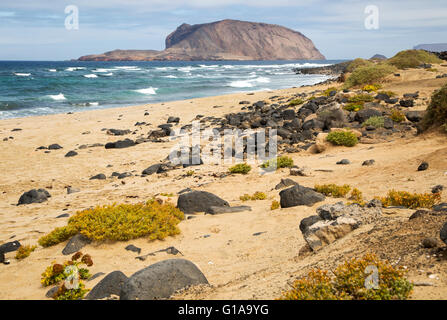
(244, 255)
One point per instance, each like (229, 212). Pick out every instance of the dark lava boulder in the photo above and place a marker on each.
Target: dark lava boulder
(111, 284)
(161, 280)
(365, 114)
(299, 196)
(121, 144)
(10, 247)
(34, 196)
(75, 244)
(199, 201)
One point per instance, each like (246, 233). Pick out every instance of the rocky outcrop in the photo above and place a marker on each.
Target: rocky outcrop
(224, 40)
(335, 221)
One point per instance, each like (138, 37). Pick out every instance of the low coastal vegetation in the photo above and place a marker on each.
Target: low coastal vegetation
(397, 116)
(361, 98)
(333, 190)
(240, 168)
(343, 138)
(256, 196)
(120, 222)
(436, 114)
(279, 162)
(353, 106)
(73, 271)
(376, 122)
(410, 200)
(275, 205)
(372, 87)
(413, 59)
(24, 251)
(296, 102)
(353, 280)
(357, 63)
(369, 74)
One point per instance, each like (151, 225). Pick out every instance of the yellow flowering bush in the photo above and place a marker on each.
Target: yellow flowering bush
(410, 200)
(333, 190)
(349, 282)
(120, 222)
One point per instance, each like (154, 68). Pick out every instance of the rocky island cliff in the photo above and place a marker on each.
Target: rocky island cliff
(224, 40)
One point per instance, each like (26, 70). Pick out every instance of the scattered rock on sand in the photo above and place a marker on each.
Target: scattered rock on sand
(120, 144)
(75, 244)
(423, 166)
(440, 207)
(437, 189)
(10, 247)
(100, 176)
(111, 284)
(71, 154)
(344, 162)
(429, 243)
(71, 190)
(155, 168)
(117, 132)
(199, 201)
(285, 183)
(173, 274)
(220, 210)
(132, 248)
(368, 163)
(34, 196)
(54, 147)
(443, 233)
(299, 196)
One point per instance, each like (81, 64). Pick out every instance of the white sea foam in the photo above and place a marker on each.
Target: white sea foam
(107, 74)
(249, 83)
(90, 76)
(52, 70)
(147, 90)
(74, 68)
(242, 84)
(170, 77)
(22, 74)
(57, 97)
(102, 70)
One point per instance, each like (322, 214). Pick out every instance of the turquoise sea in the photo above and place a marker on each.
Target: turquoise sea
(29, 88)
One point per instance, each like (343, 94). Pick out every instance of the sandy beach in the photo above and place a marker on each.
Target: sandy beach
(237, 263)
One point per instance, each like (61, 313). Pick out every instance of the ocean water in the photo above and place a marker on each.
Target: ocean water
(39, 88)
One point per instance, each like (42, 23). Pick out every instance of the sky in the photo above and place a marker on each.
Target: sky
(35, 29)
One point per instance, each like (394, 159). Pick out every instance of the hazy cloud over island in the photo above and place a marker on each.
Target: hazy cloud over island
(34, 29)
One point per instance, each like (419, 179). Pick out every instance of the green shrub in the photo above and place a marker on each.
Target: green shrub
(120, 223)
(413, 59)
(24, 251)
(296, 102)
(436, 114)
(361, 98)
(241, 168)
(377, 122)
(369, 74)
(343, 138)
(410, 200)
(357, 197)
(328, 91)
(348, 282)
(357, 63)
(280, 162)
(354, 106)
(332, 190)
(397, 116)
